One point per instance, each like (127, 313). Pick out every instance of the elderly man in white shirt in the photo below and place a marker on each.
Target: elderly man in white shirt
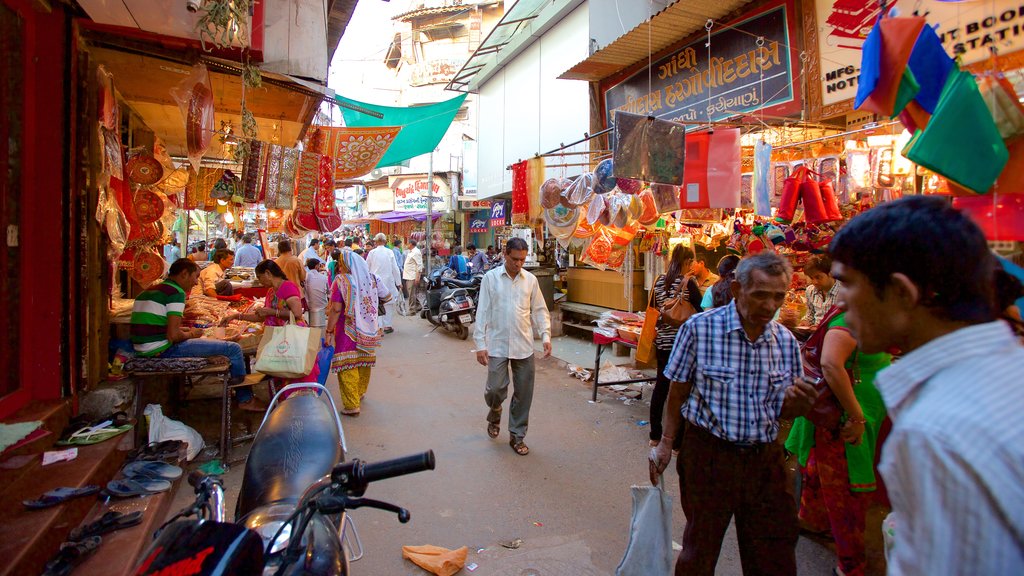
(381, 261)
(510, 309)
(954, 462)
(411, 272)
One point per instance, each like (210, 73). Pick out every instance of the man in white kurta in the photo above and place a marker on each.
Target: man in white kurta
(382, 262)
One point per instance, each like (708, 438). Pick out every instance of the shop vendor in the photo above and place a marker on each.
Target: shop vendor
(157, 329)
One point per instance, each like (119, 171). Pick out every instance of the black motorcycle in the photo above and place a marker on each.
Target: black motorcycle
(292, 512)
(449, 302)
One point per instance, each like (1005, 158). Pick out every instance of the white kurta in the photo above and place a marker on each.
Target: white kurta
(382, 262)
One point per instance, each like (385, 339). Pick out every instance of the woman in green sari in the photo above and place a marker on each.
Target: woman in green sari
(837, 467)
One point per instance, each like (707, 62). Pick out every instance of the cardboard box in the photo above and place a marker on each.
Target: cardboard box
(605, 288)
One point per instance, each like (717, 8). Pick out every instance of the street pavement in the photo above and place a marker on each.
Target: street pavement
(568, 501)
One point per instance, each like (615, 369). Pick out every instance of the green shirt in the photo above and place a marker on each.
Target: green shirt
(149, 317)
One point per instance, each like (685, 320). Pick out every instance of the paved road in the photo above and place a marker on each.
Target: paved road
(568, 500)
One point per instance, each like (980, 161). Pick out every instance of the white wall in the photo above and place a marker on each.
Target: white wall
(526, 109)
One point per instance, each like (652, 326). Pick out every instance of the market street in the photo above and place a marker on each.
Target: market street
(568, 500)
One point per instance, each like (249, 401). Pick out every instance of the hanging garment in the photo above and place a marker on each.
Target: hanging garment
(307, 184)
(761, 179)
(712, 172)
(253, 171)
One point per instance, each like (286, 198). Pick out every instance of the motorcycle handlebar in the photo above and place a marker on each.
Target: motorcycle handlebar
(358, 473)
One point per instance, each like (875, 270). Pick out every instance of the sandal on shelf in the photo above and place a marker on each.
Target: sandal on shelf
(151, 470)
(129, 487)
(59, 496)
(519, 446)
(156, 451)
(107, 523)
(71, 554)
(493, 430)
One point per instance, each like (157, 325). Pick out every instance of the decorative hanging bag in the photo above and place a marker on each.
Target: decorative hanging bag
(253, 172)
(306, 186)
(326, 210)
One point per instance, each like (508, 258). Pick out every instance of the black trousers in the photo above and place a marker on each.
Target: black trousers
(658, 399)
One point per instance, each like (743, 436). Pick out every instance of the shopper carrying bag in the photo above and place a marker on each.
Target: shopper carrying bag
(287, 351)
(649, 552)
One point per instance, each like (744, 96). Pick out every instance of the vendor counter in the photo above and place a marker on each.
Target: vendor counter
(606, 288)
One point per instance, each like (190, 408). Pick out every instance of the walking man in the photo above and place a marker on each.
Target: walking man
(510, 309)
(734, 373)
(411, 274)
(954, 460)
(381, 261)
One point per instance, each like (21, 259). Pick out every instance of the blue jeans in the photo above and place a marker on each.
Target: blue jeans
(206, 347)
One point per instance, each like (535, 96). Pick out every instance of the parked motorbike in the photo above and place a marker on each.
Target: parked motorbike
(449, 302)
(291, 517)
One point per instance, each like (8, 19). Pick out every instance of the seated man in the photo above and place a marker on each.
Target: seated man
(157, 331)
(212, 281)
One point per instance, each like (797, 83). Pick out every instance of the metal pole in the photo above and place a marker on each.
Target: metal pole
(430, 211)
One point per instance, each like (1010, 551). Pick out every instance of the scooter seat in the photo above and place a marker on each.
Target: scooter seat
(297, 445)
(460, 283)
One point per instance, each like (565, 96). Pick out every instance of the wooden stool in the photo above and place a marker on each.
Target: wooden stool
(227, 441)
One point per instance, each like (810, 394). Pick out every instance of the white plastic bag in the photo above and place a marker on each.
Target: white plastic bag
(163, 428)
(649, 552)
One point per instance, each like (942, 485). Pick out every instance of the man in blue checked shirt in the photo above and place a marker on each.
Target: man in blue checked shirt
(735, 373)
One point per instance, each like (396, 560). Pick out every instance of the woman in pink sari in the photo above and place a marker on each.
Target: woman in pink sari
(352, 323)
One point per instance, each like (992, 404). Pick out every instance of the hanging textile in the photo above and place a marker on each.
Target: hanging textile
(307, 184)
(649, 149)
(279, 181)
(712, 170)
(534, 180)
(199, 187)
(356, 151)
(520, 194)
(325, 206)
(761, 185)
(422, 126)
(253, 171)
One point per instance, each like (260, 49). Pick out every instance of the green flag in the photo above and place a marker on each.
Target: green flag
(422, 126)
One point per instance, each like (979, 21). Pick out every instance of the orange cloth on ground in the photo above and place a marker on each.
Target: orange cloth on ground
(436, 560)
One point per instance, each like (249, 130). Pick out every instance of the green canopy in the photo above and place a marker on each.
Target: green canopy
(422, 126)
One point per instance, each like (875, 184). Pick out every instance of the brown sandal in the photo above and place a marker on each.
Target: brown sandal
(493, 430)
(519, 446)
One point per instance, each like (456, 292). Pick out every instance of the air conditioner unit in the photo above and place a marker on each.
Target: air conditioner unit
(376, 174)
(396, 170)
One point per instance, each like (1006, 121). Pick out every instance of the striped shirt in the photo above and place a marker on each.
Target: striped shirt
(954, 462)
(738, 385)
(149, 317)
(665, 333)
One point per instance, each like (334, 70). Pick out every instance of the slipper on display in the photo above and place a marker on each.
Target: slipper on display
(163, 450)
(151, 470)
(60, 495)
(94, 434)
(129, 487)
(107, 523)
(71, 554)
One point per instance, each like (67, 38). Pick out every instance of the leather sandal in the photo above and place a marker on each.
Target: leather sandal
(493, 430)
(107, 523)
(519, 446)
(71, 554)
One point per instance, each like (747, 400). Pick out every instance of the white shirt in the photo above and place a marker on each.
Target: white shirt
(316, 290)
(413, 264)
(508, 312)
(208, 279)
(307, 254)
(819, 303)
(381, 261)
(954, 462)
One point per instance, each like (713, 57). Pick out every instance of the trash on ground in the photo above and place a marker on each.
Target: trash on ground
(436, 560)
(642, 422)
(578, 372)
(541, 524)
(513, 545)
(472, 567)
(54, 456)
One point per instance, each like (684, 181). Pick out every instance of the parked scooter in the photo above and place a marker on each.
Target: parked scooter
(291, 517)
(449, 302)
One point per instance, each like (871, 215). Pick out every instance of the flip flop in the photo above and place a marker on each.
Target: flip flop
(129, 487)
(71, 554)
(94, 434)
(141, 469)
(156, 451)
(60, 495)
(109, 522)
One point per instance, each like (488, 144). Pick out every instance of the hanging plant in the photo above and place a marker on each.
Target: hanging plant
(249, 133)
(223, 22)
(251, 76)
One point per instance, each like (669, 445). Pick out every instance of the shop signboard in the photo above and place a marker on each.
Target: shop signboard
(969, 29)
(498, 213)
(479, 223)
(380, 200)
(411, 193)
(751, 68)
(475, 204)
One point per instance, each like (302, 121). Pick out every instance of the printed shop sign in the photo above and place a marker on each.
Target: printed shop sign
(743, 74)
(411, 194)
(498, 214)
(479, 223)
(967, 29)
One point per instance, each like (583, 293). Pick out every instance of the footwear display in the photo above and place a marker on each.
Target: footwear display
(59, 496)
(105, 524)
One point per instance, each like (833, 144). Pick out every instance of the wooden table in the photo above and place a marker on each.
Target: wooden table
(602, 342)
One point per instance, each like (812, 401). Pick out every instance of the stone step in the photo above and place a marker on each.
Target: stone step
(29, 538)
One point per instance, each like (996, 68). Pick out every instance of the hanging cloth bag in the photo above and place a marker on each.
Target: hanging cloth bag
(649, 551)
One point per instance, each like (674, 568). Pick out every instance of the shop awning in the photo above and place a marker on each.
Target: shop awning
(402, 216)
(676, 22)
(422, 126)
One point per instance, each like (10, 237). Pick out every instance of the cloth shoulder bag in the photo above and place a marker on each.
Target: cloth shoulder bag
(287, 351)
(826, 412)
(676, 310)
(645, 344)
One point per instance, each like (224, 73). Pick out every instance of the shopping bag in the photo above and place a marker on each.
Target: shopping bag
(645, 344)
(162, 428)
(649, 552)
(287, 351)
(323, 360)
